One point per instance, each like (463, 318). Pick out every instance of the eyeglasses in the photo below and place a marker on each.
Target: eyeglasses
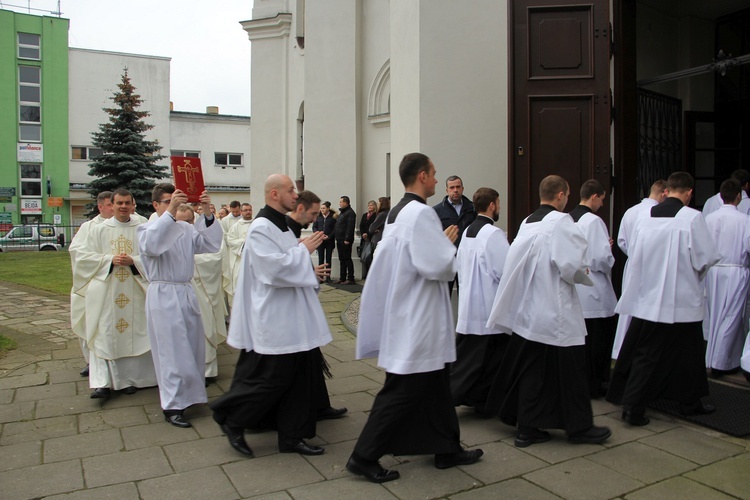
(165, 201)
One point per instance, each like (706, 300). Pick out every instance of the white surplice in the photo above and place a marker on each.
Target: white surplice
(234, 239)
(668, 288)
(624, 236)
(178, 344)
(115, 298)
(78, 302)
(407, 319)
(276, 306)
(714, 202)
(597, 301)
(207, 283)
(727, 285)
(537, 299)
(480, 262)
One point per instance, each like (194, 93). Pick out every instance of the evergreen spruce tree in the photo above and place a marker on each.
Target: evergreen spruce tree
(129, 160)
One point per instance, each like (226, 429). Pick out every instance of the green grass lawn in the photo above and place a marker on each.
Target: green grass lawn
(48, 271)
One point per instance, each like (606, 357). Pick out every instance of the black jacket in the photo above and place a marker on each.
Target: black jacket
(325, 224)
(365, 223)
(345, 225)
(449, 217)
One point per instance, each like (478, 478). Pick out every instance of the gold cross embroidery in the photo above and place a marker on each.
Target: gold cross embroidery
(121, 245)
(122, 274)
(189, 171)
(122, 325)
(122, 300)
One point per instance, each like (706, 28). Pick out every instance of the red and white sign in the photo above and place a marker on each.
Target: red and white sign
(30, 153)
(33, 206)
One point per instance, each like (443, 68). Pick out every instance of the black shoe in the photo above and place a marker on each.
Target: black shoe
(85, 371)
(372, 471)
(698, 408)
(129, 390)
(465, 457)
(330, 413)
(101, 393)
(236, 439)
(746, 374)
(592, 435)
(299, 446)
(635, 418)
(178, 420)
(530, 435)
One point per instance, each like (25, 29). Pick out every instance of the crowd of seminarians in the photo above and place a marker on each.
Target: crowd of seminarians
(537, 322)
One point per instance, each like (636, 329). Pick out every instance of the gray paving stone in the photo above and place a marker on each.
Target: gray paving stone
(47, 391)
(6, 396)
(341, 429)
(38, 429)
(82, 445)
(71, 405)
(502, 461)
(378, 377)
(28, 380)
(476, 430)
(18, 456)
(15, 412)
(125, 466)
(70, 375)
(354, 402)
(350, 368)
(206, 427)
(202, 483)
(41, 480)
(695, 446)
(114, 418)
(622, 432)
(202, 453)
(348, 385)
(582, 479)
(332, 464)
(148, 395)
(420, 479)
(637, 461)
(262, 475)
(732, 476)
(558, 449)
(341, 488)
(125, 491)
(676, 488)
(604, 407)
(157, 434)
(513, 489)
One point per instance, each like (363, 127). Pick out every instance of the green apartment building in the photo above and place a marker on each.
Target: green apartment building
(33, 119)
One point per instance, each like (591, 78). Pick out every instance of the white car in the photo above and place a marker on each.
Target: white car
(32, 237)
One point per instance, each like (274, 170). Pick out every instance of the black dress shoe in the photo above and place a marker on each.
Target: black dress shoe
(129, 390)
(530, 435)
(465, 457)
(236, 439)
(85, 371)
(177, 420)
(372, 471)
(635, 418)
(697, 409)
(101, 393)
(300, 447)
(592, 435)
(331, 412)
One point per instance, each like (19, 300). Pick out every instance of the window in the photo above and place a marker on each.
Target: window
(225, 160)
(188, 154)
(20, 232)
(31, 179)
(29, 46)
(85, 153)
(29, 108)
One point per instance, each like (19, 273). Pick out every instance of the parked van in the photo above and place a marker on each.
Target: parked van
(33, 237)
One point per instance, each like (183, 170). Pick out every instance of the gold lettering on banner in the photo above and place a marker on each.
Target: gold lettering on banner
(189, 171)
(122, 300)
(121, 245)
(122, 274)
(122, 325)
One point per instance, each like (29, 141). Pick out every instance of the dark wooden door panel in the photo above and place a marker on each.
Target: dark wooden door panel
(560, 99)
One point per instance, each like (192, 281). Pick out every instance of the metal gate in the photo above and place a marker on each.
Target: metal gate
(659, 138)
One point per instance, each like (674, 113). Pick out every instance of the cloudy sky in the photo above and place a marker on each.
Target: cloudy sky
(209, 49)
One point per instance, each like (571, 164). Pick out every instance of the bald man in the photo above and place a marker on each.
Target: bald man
(279, 326)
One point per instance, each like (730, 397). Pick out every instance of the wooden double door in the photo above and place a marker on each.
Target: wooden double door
(561, 99)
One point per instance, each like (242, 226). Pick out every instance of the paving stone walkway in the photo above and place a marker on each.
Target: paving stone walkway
(55, 442)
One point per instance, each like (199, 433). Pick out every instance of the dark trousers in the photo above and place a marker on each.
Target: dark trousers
(345, 259)
(278, 388)
(600, 335)
(325, 252)
(412, 415)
